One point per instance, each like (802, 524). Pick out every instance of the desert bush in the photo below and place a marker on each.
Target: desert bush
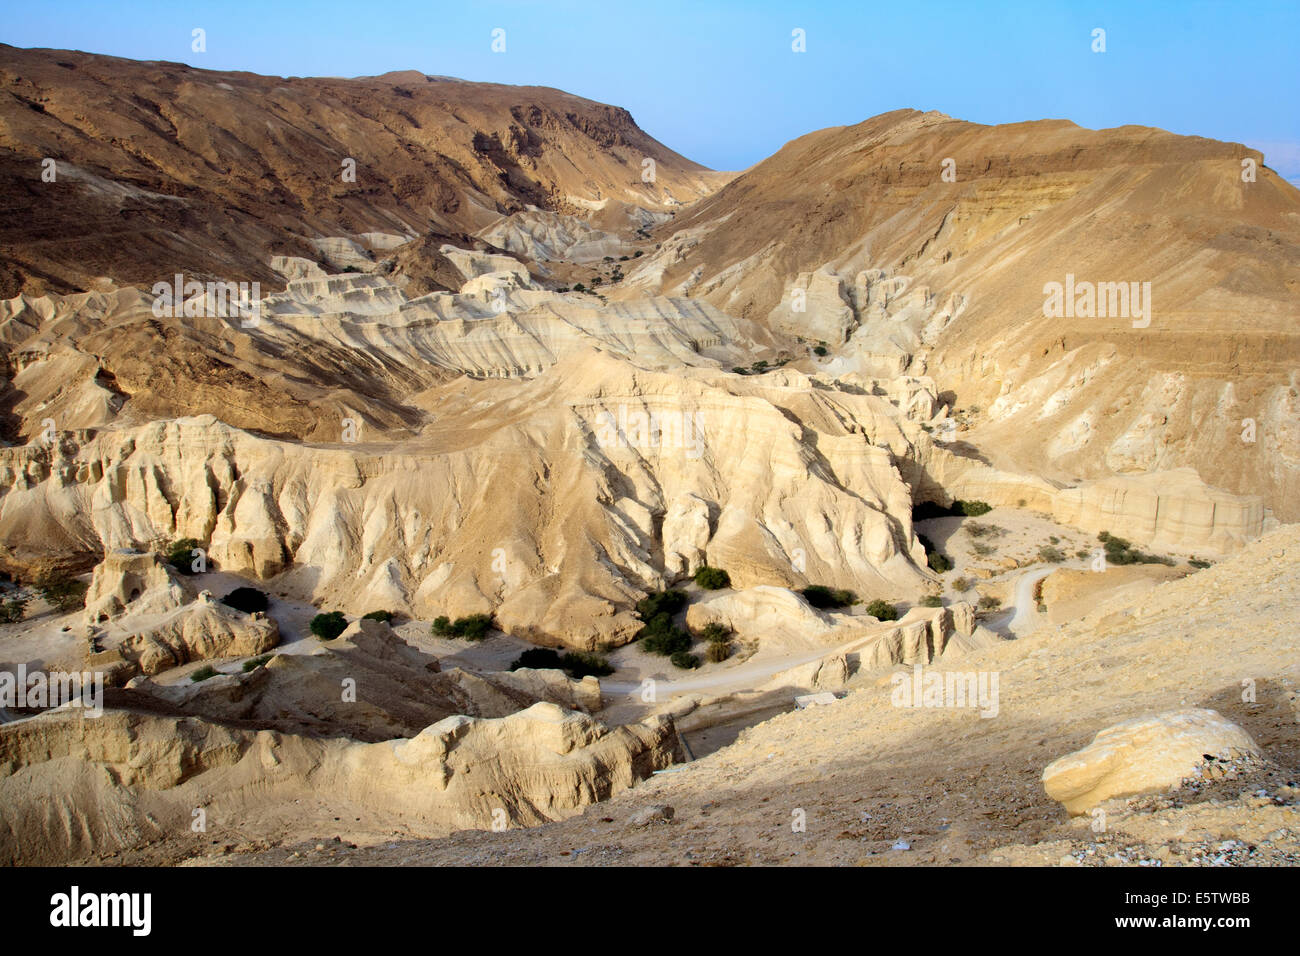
(988, 602)
(932, 600)
(203, 673)
(684, 660)
(1051, 554)
(385, 616)
(1198, 562)
(977, 529)
(718, 651)
(939, 563)
(712, 579)
(256, 662)
(823, 597)
(581, 664)
(660, 602)
(539, 658)
(1120, 551)
(982, 549)
(13, 610)
(329, 625)
(963, 584)
(441, 626)
(882, 610)
(820, 350)
(661, 637)
(472, 627)
(179, 557)
(972, 509)
(62, 591)
(247, 600)
(715, 633)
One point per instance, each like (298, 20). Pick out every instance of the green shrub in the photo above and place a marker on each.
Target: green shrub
(712, 579)
(13, 610)
(715, 633)
(1198, 562)
(581, 664)
(820, 350)
(963, 584)
(247, 600)
(989, 602)
(977, 529)
(820, 596)
(972, 509)
(441, 626)
(385, 616)
(932, 600)
(660, 602)
(203, 673)
(1051, 554)
(718, 651)
(982, 549)
(179, 557)
(328, 626)
(472, 627)
(661, 637)
(63, 592)
(1120, 551)
(578, 664)
(539, 658)
(684, 660)
(256, 662)
(882, 610)
(579, 287)
(939, 563)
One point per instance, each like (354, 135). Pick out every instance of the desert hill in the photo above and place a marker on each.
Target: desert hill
(164, 168)
(922, 275)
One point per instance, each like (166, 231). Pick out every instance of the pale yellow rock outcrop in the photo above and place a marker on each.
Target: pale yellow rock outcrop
(1144, 755)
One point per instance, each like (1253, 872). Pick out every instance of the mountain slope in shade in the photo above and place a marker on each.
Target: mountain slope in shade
(927, 276)
(165, 168)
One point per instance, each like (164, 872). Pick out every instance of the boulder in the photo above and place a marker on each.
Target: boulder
(1144, 755)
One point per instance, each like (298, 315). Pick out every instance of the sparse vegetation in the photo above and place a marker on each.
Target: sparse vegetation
(659, 635)
(577, 664)
(882, 610)
(1198, 562)
(472, 627)
(820, 350)
(256, 662)
(712, 579)
(1120, 551)
(385, 616)
(978, 529)
(685, 660)
(939, 563)
(717, 652)
(329, 625)
(989, 603)
(823, 597)
(179, 555)
(13, 610)
(972, 509)
(62, 591)
(715, 633)
(932, 600)
(1051, 554)
(982, 549)
(963, 584)
(203, 673)
(248, 600)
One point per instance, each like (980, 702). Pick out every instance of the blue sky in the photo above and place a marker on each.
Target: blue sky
(718, 81)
